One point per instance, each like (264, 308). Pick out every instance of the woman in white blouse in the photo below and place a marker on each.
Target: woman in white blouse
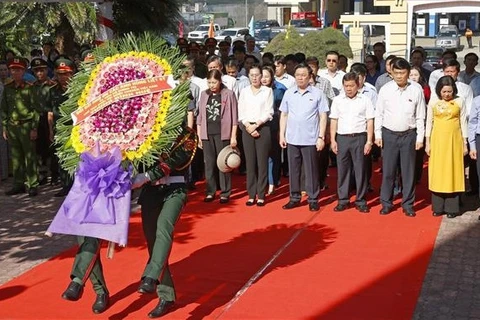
(255, 111)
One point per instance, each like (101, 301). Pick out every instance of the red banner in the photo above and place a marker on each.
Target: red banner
(123, 91)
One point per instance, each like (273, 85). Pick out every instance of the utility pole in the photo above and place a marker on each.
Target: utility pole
(246, 12)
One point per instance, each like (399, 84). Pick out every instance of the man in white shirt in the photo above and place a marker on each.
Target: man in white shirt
(400, 130)
(281, 74)
(231, 68)
(351, 131)
(215, 62)
(251, 48)
(332, 73)
(437, 74)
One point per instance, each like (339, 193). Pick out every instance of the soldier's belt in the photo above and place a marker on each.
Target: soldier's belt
(19, 122)
(169, 180)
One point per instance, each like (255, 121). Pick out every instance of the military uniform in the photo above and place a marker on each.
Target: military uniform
(42, 87)
(87, 263)
(20, 120)
(162, 200)
(56, 97)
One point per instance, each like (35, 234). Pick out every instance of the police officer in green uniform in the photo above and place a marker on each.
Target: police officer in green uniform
(20, 122)
(64, 70)
(162, 199)
(42, 85)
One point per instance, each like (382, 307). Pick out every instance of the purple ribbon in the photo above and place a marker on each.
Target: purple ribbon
(100, 184)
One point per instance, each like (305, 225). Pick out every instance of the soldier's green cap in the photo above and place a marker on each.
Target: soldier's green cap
(87, 55)
(63, 65)
(38, 63)
(17, 62)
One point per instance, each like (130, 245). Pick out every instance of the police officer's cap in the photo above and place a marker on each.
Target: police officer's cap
(63, 65)
(17, 62)
(87, 55)
(211, 42)
(38, 63)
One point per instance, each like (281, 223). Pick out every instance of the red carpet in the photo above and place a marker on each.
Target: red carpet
(236, 262)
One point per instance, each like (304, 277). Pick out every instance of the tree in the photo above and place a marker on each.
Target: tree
(313, 43)
(69, 22)
(161, 16)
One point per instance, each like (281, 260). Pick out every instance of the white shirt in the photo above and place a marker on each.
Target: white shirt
(352, 114)
(464, 91)
(228, 81)
(336, 80)
(287, 80)
(400, 109)
(255, 106)
(367, 90)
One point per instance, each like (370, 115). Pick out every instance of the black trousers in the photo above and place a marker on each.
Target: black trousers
(446, 202)
(350, 158)
(306, 157)
(323, 162)
(398, 145)
(211, 149)
(256, 159)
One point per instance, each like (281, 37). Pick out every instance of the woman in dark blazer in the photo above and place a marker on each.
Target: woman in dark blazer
(217, 127)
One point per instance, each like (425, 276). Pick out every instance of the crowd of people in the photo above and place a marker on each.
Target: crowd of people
(287, 116)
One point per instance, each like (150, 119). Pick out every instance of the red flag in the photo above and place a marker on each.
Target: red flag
(211, 30)
(180, 29)
(334, 24)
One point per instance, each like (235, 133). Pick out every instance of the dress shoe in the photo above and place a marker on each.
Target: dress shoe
(61, 193)
(451, 215)
(438, 214)
(341, 207)
(385, 210)
(291, 205)
(163, 307)
(260, 203)
(14, 191)
(250, 202)
(208, 198)
(101, 303)
(363, 208)
(147, 285)
(32, 192)
(224, 200)
(74, 291)
(313, 206)
(409, 212)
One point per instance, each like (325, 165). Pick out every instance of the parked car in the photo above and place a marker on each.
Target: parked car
(264, 23)
(433, 56)
(448, 38)
(233, 33)
(201, 32)
(301, 23)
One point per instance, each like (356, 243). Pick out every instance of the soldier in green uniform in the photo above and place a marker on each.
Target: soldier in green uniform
(20, 122)
(163, 197)
(42, 85)
(64, 70)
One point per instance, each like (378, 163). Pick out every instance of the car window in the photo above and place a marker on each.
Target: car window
(447, 33)
(229, 33)
(202, 28)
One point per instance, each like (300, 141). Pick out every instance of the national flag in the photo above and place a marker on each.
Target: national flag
(251, 27)
(211, 30)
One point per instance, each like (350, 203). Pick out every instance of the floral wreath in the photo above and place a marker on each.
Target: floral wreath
(124, 98)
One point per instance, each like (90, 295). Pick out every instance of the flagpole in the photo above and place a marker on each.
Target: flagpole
(246, 12)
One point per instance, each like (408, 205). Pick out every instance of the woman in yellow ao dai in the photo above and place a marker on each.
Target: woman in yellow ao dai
(446, 144)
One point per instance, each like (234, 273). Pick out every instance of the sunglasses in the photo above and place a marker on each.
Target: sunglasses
(331, 60)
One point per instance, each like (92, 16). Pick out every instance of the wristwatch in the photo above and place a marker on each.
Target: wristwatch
(319, 137)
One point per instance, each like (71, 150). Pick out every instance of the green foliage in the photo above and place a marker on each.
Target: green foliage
(313, 43)
(20, 22)
(146, 15)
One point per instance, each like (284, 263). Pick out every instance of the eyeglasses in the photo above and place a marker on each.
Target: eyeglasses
(331, 60)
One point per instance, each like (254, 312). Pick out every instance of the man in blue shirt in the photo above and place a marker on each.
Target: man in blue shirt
(303, 123)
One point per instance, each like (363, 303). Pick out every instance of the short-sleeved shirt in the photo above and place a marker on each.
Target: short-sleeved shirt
(213, 108)
(303, 111)
(352, 114)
